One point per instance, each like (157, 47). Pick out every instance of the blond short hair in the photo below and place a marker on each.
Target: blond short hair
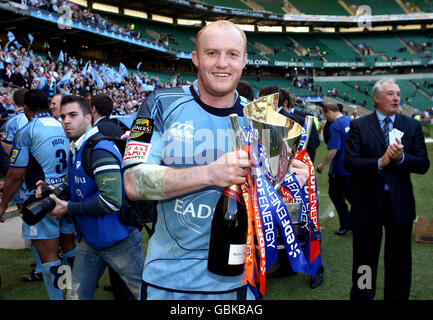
(226, 23)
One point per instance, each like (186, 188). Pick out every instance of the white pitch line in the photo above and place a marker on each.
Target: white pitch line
(325, 214)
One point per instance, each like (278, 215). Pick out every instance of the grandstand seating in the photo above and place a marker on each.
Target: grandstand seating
(269, 42)
(151, 31)
(423, 5)
(385, 43)
(227, 3)
(337, 49)
(324, 7)
(379, 7)
(272, 7)
(407, 88)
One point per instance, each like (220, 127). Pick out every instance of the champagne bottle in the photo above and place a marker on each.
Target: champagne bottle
(228, 234)
(227, 244)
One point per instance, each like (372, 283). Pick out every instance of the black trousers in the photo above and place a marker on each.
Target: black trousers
(340, 190)
(367, 240)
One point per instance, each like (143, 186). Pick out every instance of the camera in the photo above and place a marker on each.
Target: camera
(36, 211)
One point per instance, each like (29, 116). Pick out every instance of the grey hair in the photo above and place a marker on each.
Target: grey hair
(377, 88)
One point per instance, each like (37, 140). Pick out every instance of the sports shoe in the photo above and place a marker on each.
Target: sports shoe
(341, 231)
(32, 276)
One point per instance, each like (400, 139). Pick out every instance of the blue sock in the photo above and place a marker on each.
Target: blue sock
(38, 268)
(50, 278)
(68, 257)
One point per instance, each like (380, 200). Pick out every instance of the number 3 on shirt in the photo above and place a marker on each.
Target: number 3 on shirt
(63, 163)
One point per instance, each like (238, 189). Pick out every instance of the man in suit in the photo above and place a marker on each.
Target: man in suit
(383, 193)
(102, 107)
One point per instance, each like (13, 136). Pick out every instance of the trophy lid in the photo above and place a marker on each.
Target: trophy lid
(279, 135)
(264, 110)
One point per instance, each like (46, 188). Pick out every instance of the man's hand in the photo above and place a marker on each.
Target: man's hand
(301, 171)
(60, 209)
(320, 168)
(230, 169)
(385, 159)
(39, 185)
(395, 151)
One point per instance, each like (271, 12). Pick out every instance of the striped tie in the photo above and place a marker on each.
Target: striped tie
(386, 130)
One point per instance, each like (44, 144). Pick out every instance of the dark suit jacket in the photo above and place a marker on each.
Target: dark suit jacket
(18, 79)
(110, 127)
(364, 146)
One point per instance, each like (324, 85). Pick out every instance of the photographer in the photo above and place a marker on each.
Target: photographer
(94, 205)
(39, 151)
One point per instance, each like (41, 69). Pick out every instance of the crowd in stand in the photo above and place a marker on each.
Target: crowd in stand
(98, 20)
(85, 16)
(69, 75)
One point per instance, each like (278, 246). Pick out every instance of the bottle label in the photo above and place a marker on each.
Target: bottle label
(237, 254)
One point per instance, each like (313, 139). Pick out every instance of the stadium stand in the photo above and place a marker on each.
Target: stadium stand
(379, 7)
(272, 7)
(331, 47)
(420, 5)
(389, 45)
(227, 3)
(323, 7)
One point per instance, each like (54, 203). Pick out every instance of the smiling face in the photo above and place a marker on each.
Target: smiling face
(220, 57)
(388, 101)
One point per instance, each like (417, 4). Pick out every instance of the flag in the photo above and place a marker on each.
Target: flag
(138, 80)
(103, 71)
(17, 44)
(122, 70)
(113, 76)
(11, 36)
(110, 74)
(31, 39)
(97, 78)
(138, 65)
(84, 71)
(61, 56)
(66, 78)
(147, 87)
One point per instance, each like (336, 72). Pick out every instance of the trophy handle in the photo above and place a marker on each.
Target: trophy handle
(309, 121)
(234, 124)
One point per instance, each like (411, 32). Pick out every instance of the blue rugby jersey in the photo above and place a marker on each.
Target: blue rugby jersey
(43, 148)
(186, 133)
(10, 127)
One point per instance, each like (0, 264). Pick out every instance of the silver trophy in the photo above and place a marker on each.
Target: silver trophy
(280, 137)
